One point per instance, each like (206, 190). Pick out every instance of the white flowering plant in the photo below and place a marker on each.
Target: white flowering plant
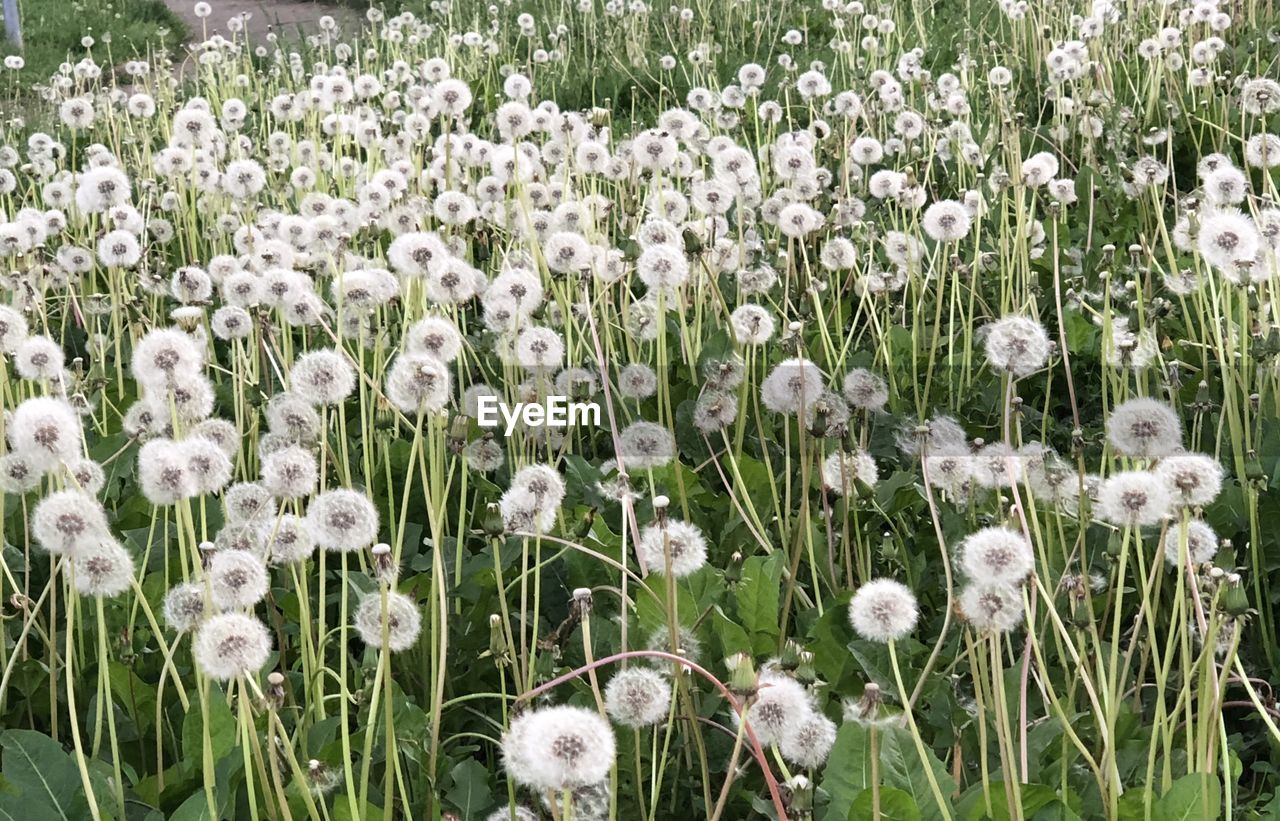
(938, 446)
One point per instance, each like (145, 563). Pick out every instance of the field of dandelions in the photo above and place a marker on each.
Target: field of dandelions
(937, 468)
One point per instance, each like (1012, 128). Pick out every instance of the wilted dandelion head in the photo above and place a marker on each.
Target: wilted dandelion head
(638, 697)
(229, 645)
(1144, 428)
(399, 615)
(883, 610)
(558, 748)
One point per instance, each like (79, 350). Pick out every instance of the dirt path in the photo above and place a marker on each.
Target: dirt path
(288, 18)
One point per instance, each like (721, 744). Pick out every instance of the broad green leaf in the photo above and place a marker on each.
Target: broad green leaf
(848, 770)
(471, 792)
(758, 595)
(1193, 797)
(46, 780)
(895, 805)
(901, 767)
(222, 732)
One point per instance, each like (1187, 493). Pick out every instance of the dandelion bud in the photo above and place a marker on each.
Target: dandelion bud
(733, 573)
(207, 549)
(582, 600)
(497, 640)
(799, 795)
(585, 523)
(742, 674)
(492, 523)
(790, 659)
(1233, 600)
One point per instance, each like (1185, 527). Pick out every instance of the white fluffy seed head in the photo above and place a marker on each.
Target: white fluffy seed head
(780, 705)
(638, 697)
(1144, 428)
(558, 748)
(46, 431)
(1200, 540)
(342, 520)
(997, 555)
(322, 377)
(402, 619)
(237, 579)
(103, 569)
(230, 645)
(883, 610)
(1193, 479)
(842, 470)
(68, 521)
(809, 741)
(791, 386)
(681, 541)
(991, 608)
(184, 606)
(1017, 345)
(1132, 499)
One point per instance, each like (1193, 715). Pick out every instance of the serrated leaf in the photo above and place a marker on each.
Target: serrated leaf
(901, 767)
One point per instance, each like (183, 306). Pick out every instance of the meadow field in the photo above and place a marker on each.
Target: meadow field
(570, 410)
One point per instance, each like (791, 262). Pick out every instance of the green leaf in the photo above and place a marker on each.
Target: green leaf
(758, 596)
(470, 792)
(895, 805)
(848, 770)
(901, 767)
(222, 732)
(46, 780)
(1193, 797)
